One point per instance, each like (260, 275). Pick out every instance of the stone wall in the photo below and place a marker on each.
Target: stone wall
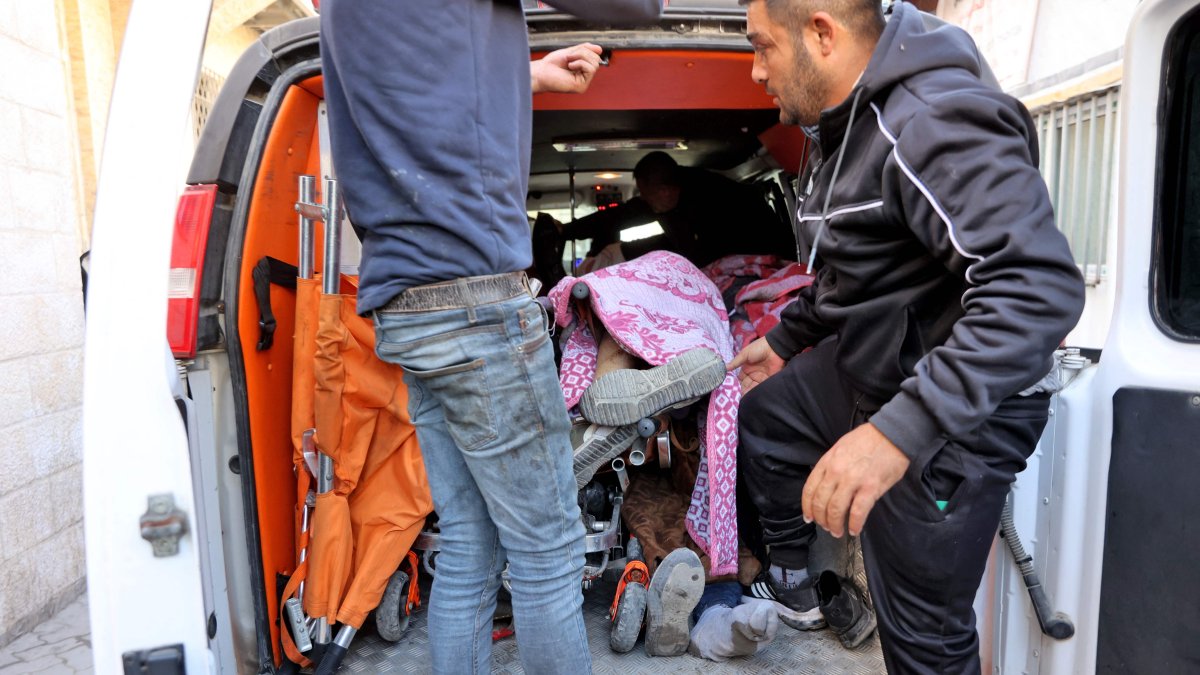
(41, 322)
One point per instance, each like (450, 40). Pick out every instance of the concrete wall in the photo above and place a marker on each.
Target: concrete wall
(41, 334)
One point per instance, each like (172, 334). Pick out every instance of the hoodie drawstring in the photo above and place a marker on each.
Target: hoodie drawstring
(837, 167)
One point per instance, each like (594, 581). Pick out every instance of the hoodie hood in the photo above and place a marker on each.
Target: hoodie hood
(912, 42)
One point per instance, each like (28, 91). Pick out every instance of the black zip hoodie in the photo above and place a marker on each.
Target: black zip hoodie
(942, 273)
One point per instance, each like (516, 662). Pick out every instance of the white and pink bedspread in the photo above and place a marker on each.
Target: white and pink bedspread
(658, 306)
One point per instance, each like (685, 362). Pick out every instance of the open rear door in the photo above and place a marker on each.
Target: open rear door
(144, 577)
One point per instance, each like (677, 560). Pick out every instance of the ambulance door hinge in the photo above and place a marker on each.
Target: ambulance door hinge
(163, 525)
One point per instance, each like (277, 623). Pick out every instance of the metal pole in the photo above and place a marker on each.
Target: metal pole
(574, 257)
(307, 186)
(333, 238)
(1090, 197)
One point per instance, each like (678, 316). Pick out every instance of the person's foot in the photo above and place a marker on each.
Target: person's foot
(675, 588)
(626, 396)
(724, 632)
(795, 596)
(594, 445)
(844, 609)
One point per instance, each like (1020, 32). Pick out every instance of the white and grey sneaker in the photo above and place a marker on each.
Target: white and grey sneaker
(595, 444)
(628, 395)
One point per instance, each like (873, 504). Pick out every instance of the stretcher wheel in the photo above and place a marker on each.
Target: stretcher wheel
(580, 291)
(627, 625)
(394, 610)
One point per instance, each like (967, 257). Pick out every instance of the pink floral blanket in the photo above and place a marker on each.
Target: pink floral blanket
(658, 306)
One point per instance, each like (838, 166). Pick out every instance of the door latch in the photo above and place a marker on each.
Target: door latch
(163, 525)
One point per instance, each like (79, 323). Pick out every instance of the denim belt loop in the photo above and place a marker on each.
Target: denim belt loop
(465, 293)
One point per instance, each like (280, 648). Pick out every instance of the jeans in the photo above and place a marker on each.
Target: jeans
(484, 396)
(718, 594)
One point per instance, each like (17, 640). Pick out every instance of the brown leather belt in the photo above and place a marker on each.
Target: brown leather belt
(459, 293)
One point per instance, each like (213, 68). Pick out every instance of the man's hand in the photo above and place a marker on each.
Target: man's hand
(850, 478)
(758, 362)
(566, 71)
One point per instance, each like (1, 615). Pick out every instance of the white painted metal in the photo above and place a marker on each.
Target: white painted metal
(202, 433)
(1067, 511)
(134, 440)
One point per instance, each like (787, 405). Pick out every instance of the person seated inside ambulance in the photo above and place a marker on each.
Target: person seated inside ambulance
(704, 216)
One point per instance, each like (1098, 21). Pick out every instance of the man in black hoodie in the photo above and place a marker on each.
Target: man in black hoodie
(942, 290)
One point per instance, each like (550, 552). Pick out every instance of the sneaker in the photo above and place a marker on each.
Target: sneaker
(674, 591)
(798, 607)
(595, 445)
(844, 608)
(626, 396)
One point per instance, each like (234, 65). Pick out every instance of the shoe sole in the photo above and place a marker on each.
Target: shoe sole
(675, 590)
(626, 396)
(597, 450)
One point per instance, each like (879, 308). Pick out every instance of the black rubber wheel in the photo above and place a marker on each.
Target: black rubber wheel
(393, 613)
(631, 612)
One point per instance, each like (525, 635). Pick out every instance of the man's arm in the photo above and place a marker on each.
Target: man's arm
(971, 192)
(610, 221)
(799, 326)
(565, 71)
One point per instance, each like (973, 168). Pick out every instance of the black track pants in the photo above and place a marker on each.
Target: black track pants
(923, 564)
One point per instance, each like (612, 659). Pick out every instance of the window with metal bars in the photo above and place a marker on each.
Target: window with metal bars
(207, 88)
(1079, 155)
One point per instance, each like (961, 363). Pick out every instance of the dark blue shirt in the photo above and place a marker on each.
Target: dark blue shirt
(429, 112)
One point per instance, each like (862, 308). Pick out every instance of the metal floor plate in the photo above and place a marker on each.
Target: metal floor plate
(792, 651)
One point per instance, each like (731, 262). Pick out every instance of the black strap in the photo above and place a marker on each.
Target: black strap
(270, 271)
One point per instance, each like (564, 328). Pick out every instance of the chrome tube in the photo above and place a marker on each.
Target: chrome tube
(307, 188)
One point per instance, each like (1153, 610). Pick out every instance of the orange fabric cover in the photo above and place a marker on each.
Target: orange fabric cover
(363, 528)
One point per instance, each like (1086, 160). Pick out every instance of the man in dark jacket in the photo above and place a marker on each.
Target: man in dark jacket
(942, 291)
(430, 120)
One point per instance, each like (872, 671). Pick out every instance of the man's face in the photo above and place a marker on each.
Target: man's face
(786, 68)
(660, 196)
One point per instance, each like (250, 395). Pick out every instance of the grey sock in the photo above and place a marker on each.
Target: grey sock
(723, 632)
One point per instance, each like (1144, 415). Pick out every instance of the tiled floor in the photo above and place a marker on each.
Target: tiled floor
(60, 644)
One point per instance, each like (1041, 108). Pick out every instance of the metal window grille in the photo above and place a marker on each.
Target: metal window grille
(1078, 146)
(207, 88)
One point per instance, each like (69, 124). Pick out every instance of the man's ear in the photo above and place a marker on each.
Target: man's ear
(826, 30)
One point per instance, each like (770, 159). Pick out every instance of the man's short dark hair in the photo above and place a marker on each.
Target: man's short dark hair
(863, 17)
(657, 168)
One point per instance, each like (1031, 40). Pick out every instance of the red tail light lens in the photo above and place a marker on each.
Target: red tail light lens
(192, 219)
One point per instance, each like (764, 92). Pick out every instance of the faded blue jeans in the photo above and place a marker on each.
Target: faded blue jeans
(484, 396)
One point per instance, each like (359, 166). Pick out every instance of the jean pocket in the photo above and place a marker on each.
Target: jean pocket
(534, 327)
(466, 401)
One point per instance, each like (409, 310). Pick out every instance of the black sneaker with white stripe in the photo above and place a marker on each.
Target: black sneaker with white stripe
(798, 607)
